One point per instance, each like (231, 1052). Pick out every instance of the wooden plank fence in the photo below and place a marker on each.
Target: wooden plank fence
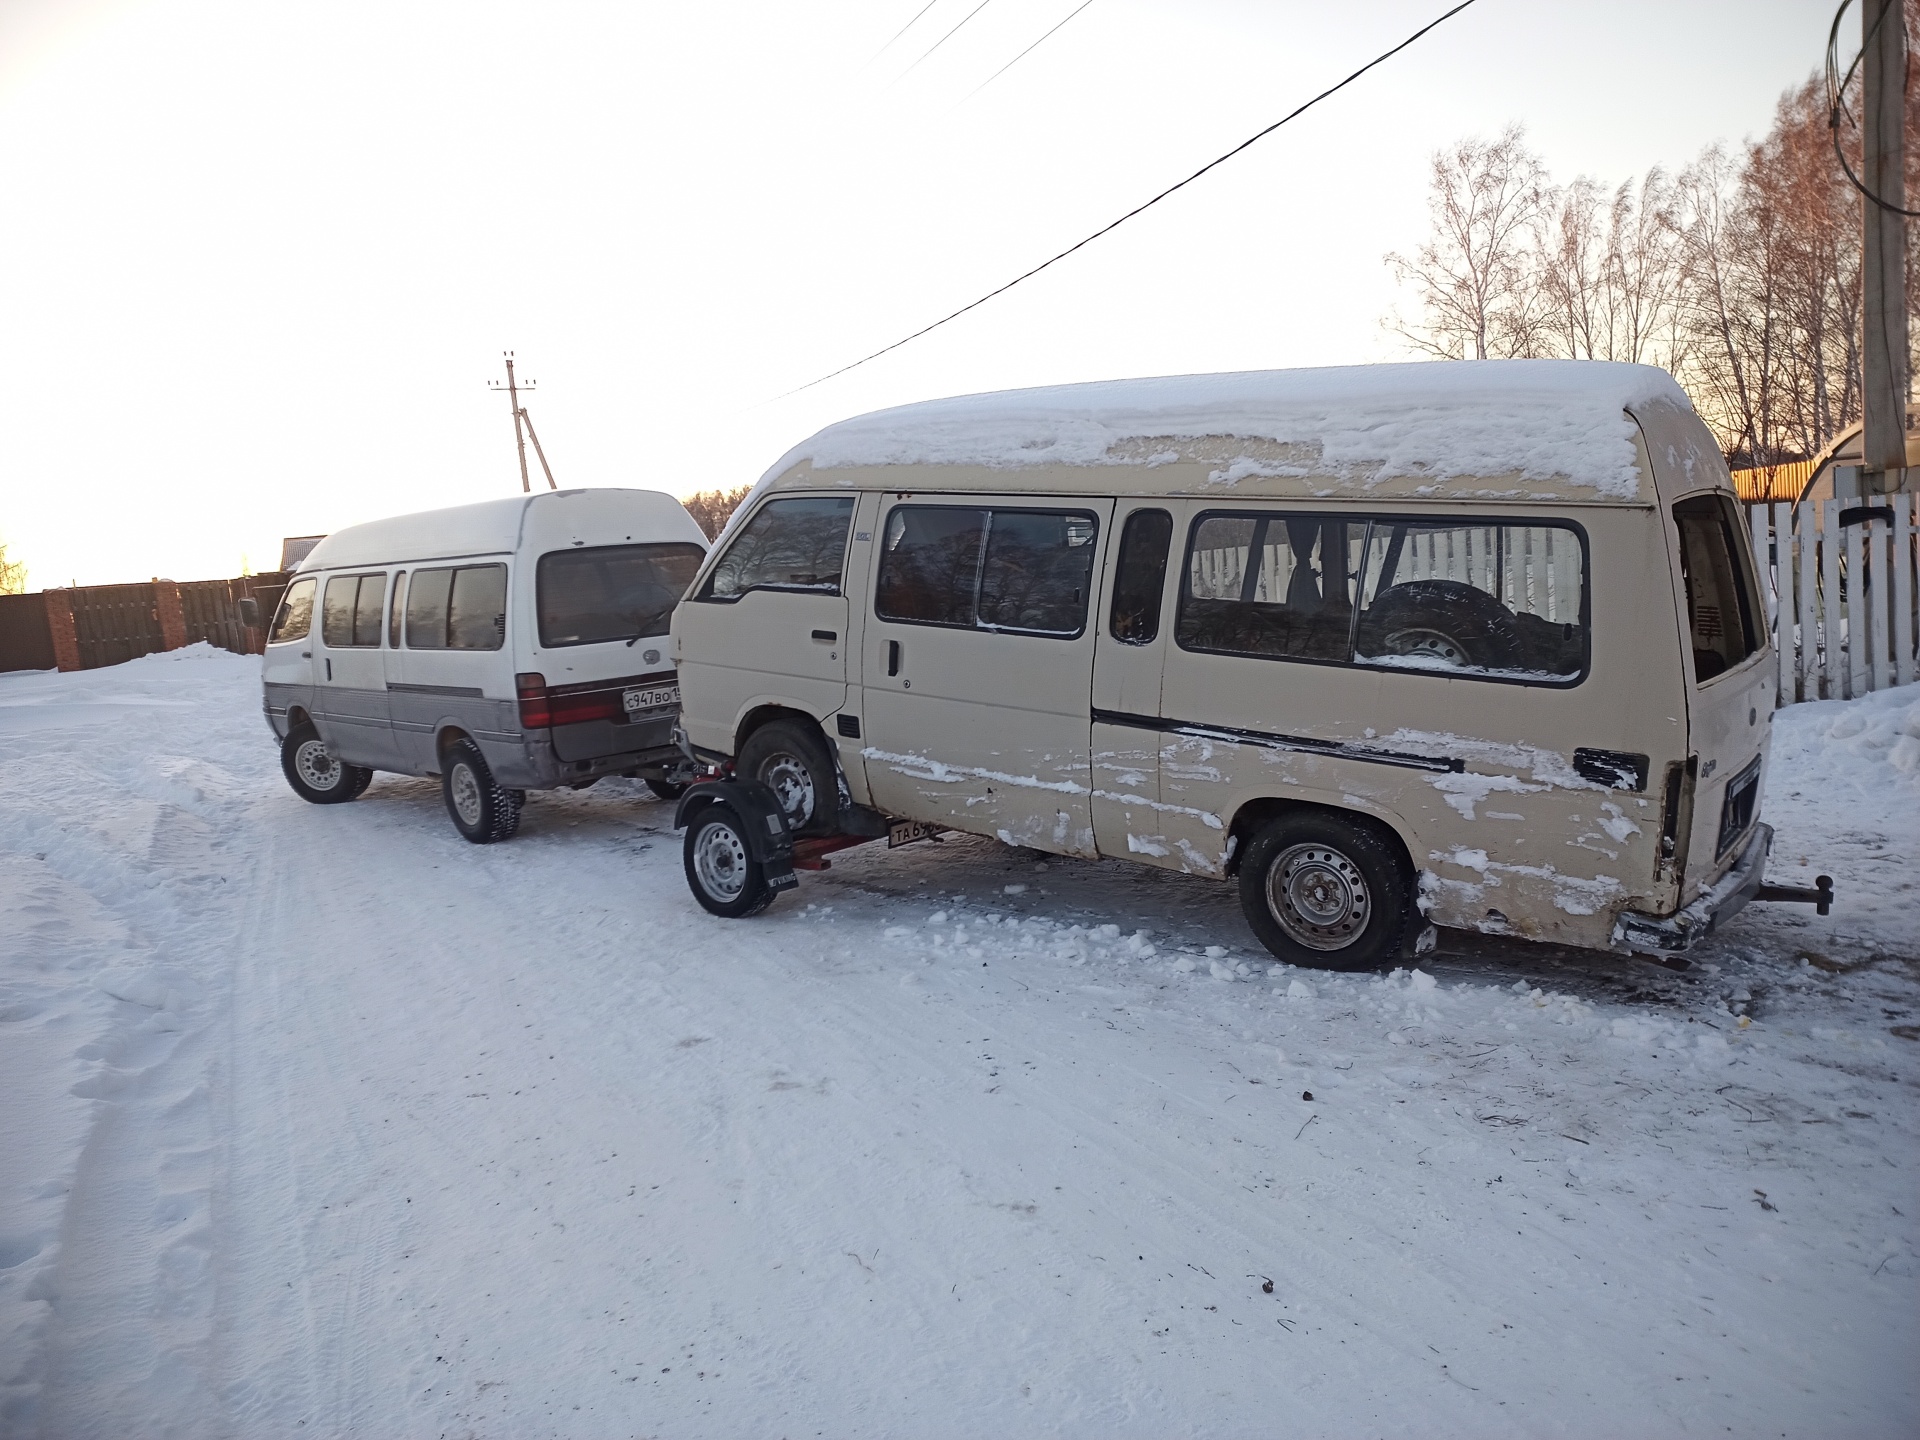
(93, 625)
(1842, 584)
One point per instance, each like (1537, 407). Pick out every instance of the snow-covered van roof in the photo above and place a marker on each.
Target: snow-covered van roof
(1579, 431)
(547, 520)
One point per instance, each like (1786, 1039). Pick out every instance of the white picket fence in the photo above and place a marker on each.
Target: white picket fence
(1841, 585)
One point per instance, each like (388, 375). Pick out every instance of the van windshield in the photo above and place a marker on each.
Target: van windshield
(611, 592)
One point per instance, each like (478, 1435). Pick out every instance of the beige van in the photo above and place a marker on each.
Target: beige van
(1464, 644)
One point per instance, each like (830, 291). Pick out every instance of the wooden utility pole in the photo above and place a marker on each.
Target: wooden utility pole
(523, 426)
(1884, 360)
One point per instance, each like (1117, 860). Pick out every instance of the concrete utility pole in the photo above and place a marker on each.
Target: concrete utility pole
(523, 426)
(1884, 361)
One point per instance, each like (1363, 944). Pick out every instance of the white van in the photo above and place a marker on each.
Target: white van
(508, 646)
(1476, 644)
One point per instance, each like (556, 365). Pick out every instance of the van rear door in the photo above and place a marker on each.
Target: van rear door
(977, 665)
(1730, 680)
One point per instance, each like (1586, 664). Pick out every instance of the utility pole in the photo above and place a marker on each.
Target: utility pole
(1884, 359)
(523, 425)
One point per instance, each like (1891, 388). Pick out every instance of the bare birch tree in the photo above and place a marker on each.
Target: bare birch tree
(1473, 276)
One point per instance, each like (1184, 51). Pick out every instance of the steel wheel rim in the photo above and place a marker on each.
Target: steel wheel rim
(466, 794)
(1433, 644)
(315, 766)
(1318, 896)
(789, 778)
(720, 860)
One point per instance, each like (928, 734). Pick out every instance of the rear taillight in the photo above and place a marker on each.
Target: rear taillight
(576, 708)
(535, 711)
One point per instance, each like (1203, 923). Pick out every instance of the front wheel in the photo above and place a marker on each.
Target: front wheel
(315, 775)
(721, 870)
(1325, 891)
(481, 809)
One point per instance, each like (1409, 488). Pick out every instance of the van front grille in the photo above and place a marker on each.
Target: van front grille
(1736, 811)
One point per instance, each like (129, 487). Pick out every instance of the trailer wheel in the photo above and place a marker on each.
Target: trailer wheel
(1325, 891)
(314, 774)
(481, 810)
(721, 870)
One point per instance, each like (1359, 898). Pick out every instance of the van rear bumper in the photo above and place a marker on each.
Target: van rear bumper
(1726, 898)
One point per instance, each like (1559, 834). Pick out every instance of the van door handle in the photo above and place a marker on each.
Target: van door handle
(893, 657)
(824, 637)
(329, 667)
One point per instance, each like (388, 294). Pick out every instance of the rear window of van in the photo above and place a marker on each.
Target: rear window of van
(611, 592)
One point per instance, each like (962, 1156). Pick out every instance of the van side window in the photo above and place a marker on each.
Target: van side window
(1719, 609)
(1140, 575)
(477, 611)
(295, 618)
(798, 544)
(427, 609)
(1037, 572)
(1271, 584)
(930, 565)
(611, 592)
(369, 610)
(1487, 599)
(1001, 569)
(350, 614)
(1484, 598)
(396, 609)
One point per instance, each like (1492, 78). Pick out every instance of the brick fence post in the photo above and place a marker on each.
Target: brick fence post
(66, 643)
(172, 618)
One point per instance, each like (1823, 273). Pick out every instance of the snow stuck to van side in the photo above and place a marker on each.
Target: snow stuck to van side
(1536, 419)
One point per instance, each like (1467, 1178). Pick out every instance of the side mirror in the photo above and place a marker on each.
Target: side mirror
(250, 612)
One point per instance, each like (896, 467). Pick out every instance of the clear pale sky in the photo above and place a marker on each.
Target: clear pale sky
(259, 260)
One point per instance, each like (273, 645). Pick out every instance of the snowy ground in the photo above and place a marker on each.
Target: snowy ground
(322, 1121)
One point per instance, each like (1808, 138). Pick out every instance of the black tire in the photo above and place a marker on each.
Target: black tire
(1455, 623)
(792, 760)
(482, 810)
(668, 789)
(1326, 891)
(315, 775)
(721, 870)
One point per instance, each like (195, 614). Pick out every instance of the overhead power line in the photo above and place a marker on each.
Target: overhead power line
(1138, 209)
(948, 36)
(1026, 52)
(1837, 101)
(904, 28)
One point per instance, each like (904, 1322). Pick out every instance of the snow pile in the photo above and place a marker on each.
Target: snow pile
(1537, 419)
(318, 1120)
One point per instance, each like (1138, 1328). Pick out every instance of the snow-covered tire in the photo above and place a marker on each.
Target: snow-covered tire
(482, 810)
(721, 870)
(791, 759)
(315, 775)
(1326, 891)
(1442, 620)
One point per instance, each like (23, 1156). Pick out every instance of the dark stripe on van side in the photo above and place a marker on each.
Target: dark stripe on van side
(468, 692)
(1305, 744)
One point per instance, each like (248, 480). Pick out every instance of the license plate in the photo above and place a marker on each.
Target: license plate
(652, 697)
(905, 832)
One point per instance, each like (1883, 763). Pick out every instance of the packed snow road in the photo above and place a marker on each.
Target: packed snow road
(323, 1121)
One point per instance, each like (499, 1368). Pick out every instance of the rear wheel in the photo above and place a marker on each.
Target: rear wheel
(721, 870)
(315, 775)
(1325, 891)
(481, 809)
(791, 759)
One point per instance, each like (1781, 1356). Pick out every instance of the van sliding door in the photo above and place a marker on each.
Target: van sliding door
(977, 665)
